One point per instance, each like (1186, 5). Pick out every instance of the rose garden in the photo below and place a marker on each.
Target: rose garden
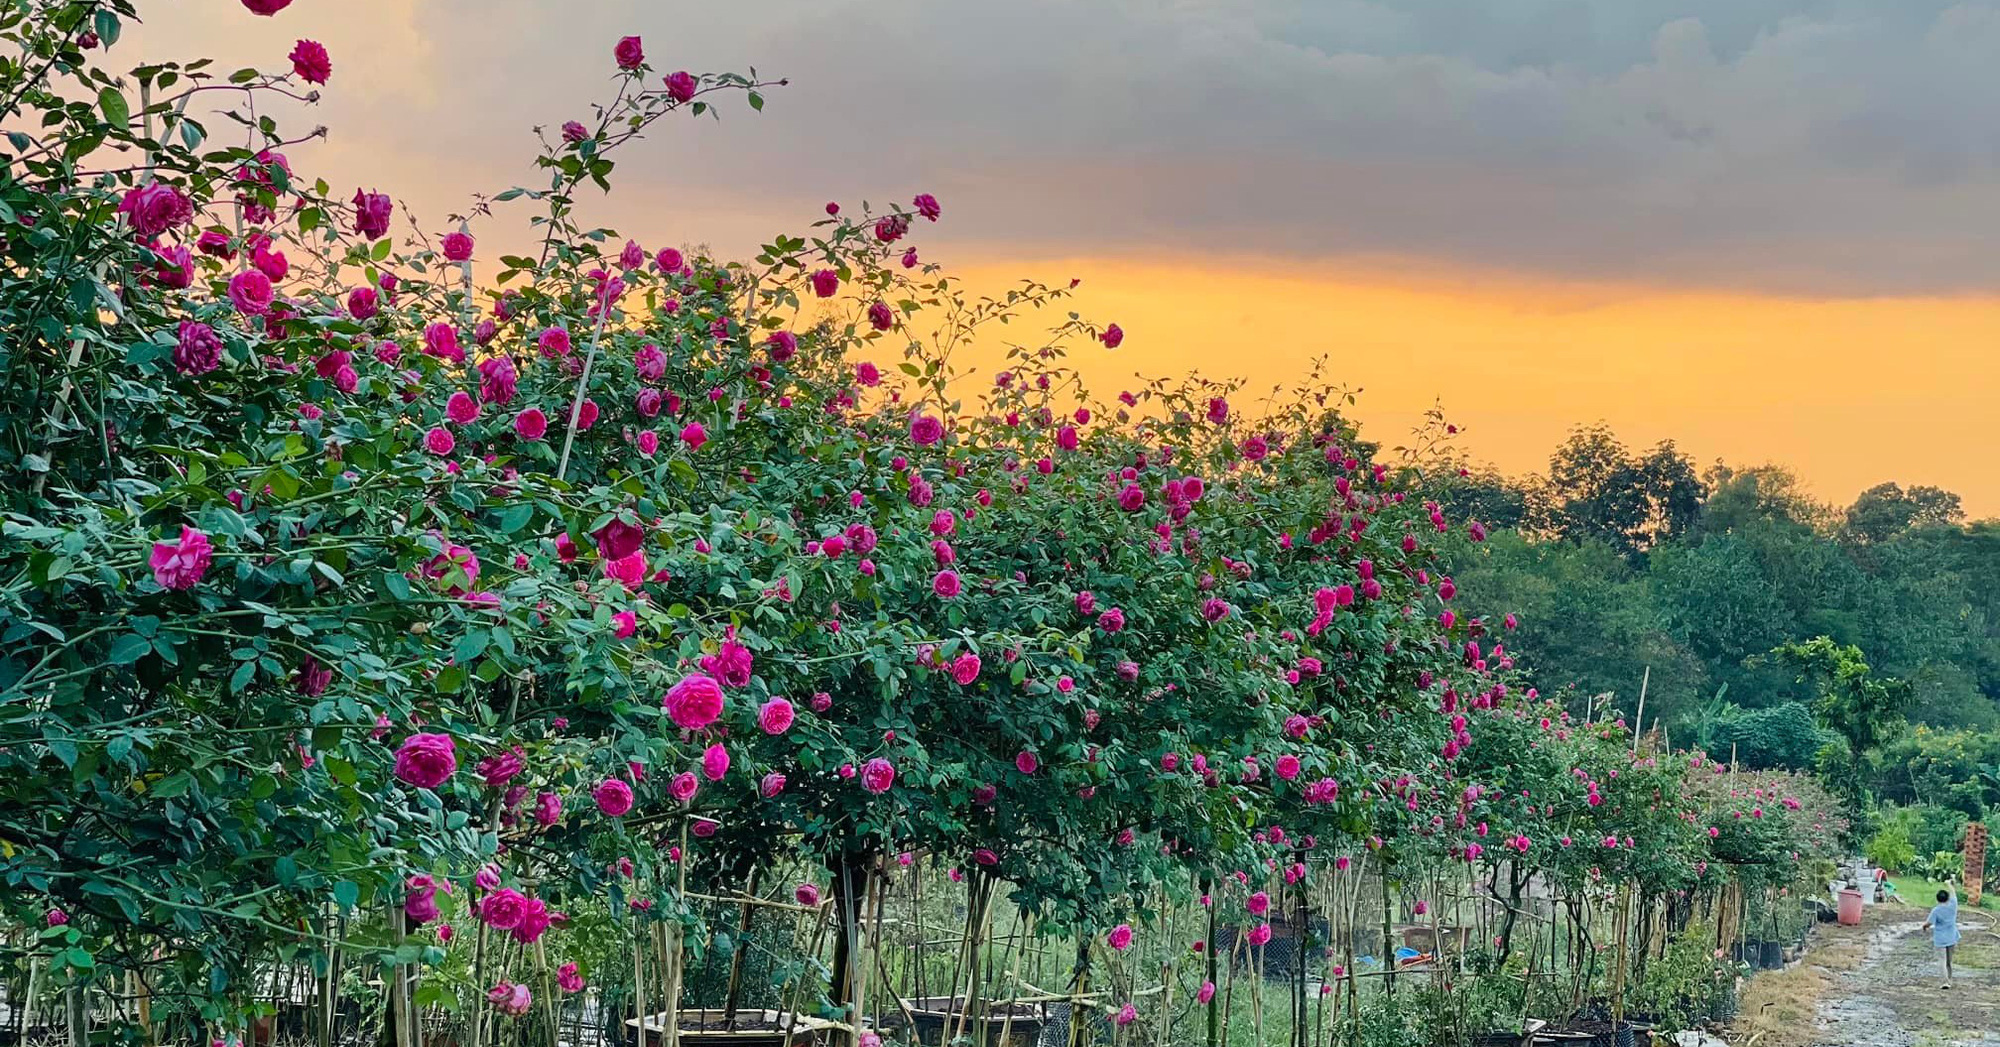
(405, 642)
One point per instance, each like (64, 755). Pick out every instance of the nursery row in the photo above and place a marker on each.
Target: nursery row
(407, 641)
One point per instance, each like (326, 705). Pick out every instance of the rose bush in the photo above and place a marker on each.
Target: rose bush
(355, 606)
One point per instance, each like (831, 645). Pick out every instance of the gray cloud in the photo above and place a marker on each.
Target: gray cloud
(1804, 146)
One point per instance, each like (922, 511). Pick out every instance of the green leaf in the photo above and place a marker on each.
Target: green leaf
(105, 25)
(116, 112)
(128, 648)
(346, 894)
(172, 786)
(514, 517)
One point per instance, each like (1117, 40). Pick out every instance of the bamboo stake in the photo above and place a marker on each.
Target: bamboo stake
(1639, 719)
(1166, 975)
(639, 987)
(674, 960)
(1014, 989)
(582, 386)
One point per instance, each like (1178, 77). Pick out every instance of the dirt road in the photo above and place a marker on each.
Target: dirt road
(1892, 994)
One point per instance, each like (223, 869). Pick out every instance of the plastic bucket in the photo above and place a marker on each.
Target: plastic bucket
(1850, 907)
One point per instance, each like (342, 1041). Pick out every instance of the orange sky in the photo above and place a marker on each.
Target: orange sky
(1848, 392)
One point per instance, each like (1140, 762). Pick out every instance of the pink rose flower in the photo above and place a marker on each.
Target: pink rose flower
(250, 291)
(426, 760)
(715, 763)
(613, 797)
(776, 716)
(181, 564)
(877, 775)
(628, 53)
(372, 212)
(311, 62)
(694, 702)
(155, 208)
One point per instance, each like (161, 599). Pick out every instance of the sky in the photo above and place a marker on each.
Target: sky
(1762, 228)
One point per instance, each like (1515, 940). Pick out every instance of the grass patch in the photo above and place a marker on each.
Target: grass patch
(1916, 890)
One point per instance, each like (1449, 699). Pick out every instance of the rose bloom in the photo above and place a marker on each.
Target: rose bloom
(372, 212)
(878, 775)
(628, 53)
(155, 208)
(426, 760)
(181, 565)
(250, 291)
(613, 797)
(311, 62)
(775, 717)
(694, 702)
(457, 247)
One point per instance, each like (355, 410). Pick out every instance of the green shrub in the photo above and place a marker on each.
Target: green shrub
(1890, 847)
(1781, 736)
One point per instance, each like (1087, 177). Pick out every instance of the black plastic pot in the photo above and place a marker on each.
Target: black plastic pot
(1773, 956)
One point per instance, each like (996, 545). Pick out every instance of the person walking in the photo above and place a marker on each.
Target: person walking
(1943, 925)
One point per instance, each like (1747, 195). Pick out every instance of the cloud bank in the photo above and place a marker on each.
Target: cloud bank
(1805, 146)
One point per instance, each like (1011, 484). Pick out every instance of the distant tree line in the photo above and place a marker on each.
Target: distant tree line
(1767, 619)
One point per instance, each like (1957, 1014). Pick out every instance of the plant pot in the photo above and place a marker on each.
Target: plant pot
(1773, 956)
(1497, 1038)
(937, 1016)
(754, 1028)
